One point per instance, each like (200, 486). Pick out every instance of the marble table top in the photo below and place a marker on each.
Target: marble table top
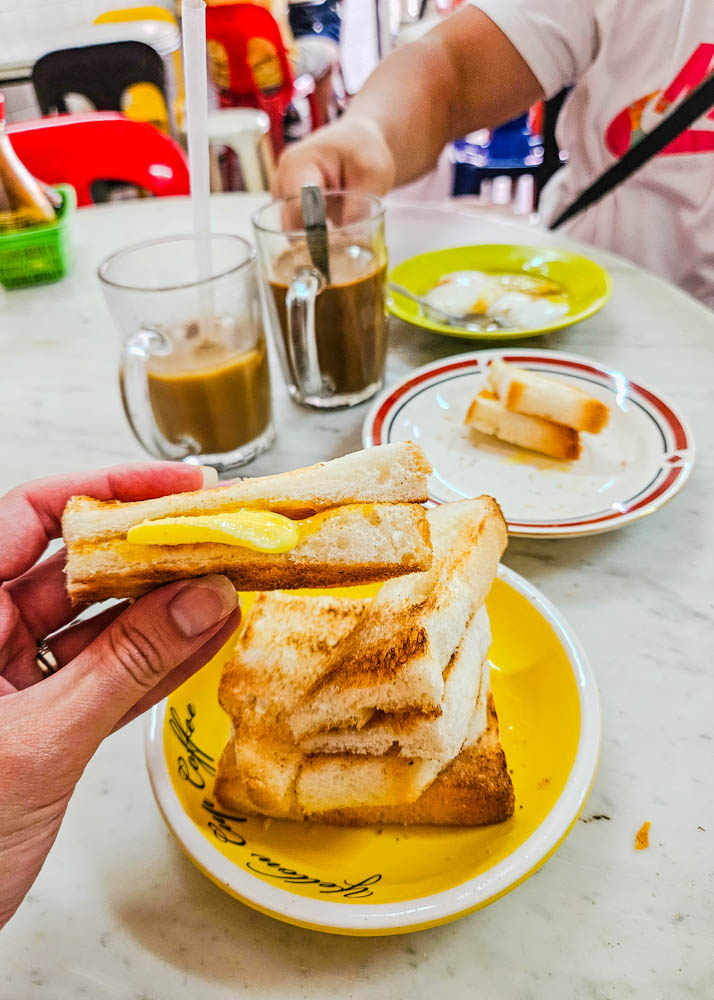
(118, 912)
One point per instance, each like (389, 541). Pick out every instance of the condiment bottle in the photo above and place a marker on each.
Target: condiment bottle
(23, 203)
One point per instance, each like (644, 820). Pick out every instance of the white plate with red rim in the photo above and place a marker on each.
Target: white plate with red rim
(636, 464)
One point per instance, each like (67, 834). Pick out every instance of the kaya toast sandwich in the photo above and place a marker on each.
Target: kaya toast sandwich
(355, 519)
(262, 771)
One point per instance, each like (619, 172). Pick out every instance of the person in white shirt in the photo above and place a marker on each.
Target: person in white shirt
(629, 63)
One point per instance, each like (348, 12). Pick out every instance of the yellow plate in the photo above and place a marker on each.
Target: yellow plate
(388, 880)
(586, 285)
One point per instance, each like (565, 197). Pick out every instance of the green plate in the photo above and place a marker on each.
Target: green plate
(586, 285)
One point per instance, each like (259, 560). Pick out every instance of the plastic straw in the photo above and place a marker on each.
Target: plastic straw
(193, 20)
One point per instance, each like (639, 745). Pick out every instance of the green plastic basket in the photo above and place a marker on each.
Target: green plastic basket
(41, 253)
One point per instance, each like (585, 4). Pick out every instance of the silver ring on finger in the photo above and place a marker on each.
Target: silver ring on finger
(46, 660)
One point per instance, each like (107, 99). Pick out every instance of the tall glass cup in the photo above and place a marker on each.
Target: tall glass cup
(331, 336)
(193, 368)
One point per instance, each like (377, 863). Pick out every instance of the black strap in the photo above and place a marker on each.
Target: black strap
(699, 101)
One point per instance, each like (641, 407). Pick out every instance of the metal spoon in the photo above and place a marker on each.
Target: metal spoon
(469, 321)
(315, 219)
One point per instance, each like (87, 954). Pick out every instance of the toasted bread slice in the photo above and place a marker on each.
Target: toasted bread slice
(357, 543)
(542, 396)
(473, 790)
(390, 473)
(395, 660)
(436, 736)
(286, 644)
(489, 415)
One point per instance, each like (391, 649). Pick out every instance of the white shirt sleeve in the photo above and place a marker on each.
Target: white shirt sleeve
(557, 38)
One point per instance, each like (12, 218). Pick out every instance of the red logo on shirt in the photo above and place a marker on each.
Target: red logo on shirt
(626, 129)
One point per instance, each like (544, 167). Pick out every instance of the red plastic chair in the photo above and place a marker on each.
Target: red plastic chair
(237, 30)
(100, 146)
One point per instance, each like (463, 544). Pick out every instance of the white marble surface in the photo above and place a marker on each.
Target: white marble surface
(118, 912)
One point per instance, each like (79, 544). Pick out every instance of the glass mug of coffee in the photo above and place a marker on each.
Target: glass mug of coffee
(331, 335)
(193, 370)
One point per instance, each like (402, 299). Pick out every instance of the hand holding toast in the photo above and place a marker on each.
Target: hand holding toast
(357, 518)
(113, 666)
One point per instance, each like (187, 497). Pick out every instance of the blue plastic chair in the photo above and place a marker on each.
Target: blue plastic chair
(509, 151)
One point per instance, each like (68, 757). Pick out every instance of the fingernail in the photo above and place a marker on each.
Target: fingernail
(203, 604)
(210, 477)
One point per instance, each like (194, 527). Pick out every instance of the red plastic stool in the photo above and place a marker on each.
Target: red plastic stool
(250, 65)
(100, 146)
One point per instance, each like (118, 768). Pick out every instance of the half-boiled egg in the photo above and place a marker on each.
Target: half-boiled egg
(464, 292)
(519, 311)
(518, 301)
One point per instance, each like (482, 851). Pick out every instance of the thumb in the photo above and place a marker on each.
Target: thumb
(137, 651)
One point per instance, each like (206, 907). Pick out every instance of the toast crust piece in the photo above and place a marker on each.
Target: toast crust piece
(488, 414)
(547, 397)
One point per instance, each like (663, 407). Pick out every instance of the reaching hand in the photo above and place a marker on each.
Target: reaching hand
(351, 155)
(112, 667)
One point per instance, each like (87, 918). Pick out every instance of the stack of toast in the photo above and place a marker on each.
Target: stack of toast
(354, 711)
(534, 411)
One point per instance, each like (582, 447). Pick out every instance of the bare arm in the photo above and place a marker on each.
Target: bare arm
(463, 75)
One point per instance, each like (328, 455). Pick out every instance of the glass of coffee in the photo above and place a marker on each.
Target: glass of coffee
(330, 333)
(193, 369)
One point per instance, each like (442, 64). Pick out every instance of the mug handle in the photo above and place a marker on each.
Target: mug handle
(302, 339)
(134, 387)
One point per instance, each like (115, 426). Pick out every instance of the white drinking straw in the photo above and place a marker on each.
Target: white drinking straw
(193, 20)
